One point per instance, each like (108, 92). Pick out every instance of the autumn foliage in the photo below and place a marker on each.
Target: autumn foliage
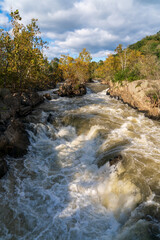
(21, 56)
(78, 69)
(128, 64)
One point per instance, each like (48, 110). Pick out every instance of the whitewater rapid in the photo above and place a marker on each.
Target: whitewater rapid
(57, 190)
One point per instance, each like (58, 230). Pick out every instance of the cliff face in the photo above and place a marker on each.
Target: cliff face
(142, 94)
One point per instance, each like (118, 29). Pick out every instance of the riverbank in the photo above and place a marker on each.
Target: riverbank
(13, 137)
(143, 95)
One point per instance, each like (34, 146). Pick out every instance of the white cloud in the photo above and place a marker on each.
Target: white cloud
(3, 20)
(87, 37)
(98, 25)
(102, 54)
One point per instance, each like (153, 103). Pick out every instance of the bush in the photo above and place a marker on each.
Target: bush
(127, 74)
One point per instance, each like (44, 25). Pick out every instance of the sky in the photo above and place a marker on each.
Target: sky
(97, 25)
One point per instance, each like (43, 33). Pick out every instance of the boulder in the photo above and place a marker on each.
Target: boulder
(47, 96)
(69, 89)
(3, 167)
(17, 139)
(35, 98)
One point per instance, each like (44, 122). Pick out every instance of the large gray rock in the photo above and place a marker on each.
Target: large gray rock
(3, 167)
(17, 139)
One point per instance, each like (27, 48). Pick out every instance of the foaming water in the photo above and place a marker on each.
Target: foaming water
(57, 190)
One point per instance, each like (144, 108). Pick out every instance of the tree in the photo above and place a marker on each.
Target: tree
(27, 59)
(66, 65)
(22, 60)
(55, 69)
(83, 66)
(5, 57)
(76, 70)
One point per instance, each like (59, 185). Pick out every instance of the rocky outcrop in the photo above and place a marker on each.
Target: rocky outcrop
(16, 139)
(69, 89)
(17, 104)
(13, 137)
(3, 167)
(143, 95)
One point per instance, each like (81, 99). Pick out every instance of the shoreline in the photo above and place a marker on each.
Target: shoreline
(142, 95)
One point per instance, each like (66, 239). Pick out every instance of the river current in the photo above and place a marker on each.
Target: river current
(57, 191)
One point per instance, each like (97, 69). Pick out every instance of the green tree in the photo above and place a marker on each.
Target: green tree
(22, 60)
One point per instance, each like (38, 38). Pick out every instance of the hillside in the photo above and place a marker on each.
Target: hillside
(148, 45)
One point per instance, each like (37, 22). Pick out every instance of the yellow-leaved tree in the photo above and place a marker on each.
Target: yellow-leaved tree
(76, 70)
(22, 60)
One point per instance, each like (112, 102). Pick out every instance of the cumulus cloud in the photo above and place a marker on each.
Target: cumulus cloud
(3, 20)
(98, 25)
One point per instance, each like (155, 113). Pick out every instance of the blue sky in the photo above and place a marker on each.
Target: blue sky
(98, 25)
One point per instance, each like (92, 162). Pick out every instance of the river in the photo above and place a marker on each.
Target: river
(57, 191)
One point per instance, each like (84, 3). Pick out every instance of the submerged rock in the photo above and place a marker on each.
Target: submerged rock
(115, 160)
(50, 118)
(112, 159)
(69, 89)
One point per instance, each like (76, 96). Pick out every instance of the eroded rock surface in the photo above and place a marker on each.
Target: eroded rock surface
(142, 94)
